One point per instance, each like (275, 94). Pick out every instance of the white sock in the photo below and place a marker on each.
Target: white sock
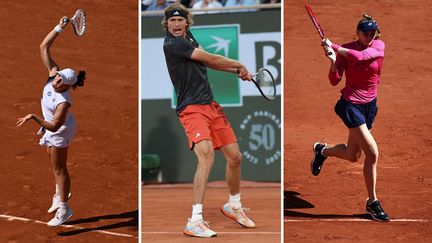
(57, 192)
(63, 205)
(196, 212)
(234, 201)
(322, 150)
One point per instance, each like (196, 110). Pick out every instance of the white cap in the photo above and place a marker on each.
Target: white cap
(68, 76)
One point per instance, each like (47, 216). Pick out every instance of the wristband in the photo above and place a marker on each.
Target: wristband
(335, 47)
(58, 29)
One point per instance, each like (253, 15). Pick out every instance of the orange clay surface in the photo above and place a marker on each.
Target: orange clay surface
(166, 208)
(402, 128)
(103, 157)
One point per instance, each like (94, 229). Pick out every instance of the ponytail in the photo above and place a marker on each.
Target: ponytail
(80, 79)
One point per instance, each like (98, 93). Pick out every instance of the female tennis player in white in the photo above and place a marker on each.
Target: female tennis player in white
(58, 126)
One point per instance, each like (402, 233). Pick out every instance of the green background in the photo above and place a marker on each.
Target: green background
(163, 134)
(225, 86)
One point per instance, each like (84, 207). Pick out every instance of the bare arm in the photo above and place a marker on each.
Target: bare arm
(229, 70)
(209, 65)
(221, 63)
(45, 48)
(58, 121)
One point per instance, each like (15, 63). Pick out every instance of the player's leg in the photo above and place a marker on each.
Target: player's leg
(205, 155)
(233, 209)
(195, 122)
(194, 119)
(233, 158)
(58, 158)
(56, 197)
(196, 226)
(57, 189)
(58, 161)
(223, 138)
(366, 141)
(350, 151)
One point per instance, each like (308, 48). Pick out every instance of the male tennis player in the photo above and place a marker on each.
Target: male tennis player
(205, 124)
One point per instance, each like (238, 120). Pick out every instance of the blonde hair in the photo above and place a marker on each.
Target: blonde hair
(177, 6)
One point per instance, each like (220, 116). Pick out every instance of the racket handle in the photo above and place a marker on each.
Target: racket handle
(65, 20)
(329, 50)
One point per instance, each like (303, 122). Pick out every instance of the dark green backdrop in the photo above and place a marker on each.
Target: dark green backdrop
(256, 123)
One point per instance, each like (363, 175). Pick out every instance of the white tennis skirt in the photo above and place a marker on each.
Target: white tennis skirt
(62, 137)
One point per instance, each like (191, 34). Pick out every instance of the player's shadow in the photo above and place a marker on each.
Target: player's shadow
(132, 223)
(292, 200)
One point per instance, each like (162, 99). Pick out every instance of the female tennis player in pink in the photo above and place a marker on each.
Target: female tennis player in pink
(361, 60)
(58, 125)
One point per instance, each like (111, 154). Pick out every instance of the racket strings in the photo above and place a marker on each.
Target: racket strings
(266, 83)
(79, 23)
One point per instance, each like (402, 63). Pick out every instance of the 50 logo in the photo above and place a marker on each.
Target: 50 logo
(262, 128)
(262, 135)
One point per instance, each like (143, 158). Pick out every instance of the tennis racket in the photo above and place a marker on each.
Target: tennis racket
(265, 83)
(78, 22)
(317, 27)
(263, 80)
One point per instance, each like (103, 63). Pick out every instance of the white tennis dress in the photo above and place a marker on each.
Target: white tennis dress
(50, 100)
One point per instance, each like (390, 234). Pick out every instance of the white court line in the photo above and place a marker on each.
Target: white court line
(12, 218)
(219, 232)
(353, 220)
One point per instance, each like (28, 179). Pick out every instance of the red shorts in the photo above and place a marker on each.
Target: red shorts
(207, 122)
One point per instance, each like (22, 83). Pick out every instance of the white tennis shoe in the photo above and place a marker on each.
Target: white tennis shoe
(238, 215)
(199, 228)
(56, 203)
(61, 216)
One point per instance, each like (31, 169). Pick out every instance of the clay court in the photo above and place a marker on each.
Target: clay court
(330, 207)
(103, 157)
(166, 208)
